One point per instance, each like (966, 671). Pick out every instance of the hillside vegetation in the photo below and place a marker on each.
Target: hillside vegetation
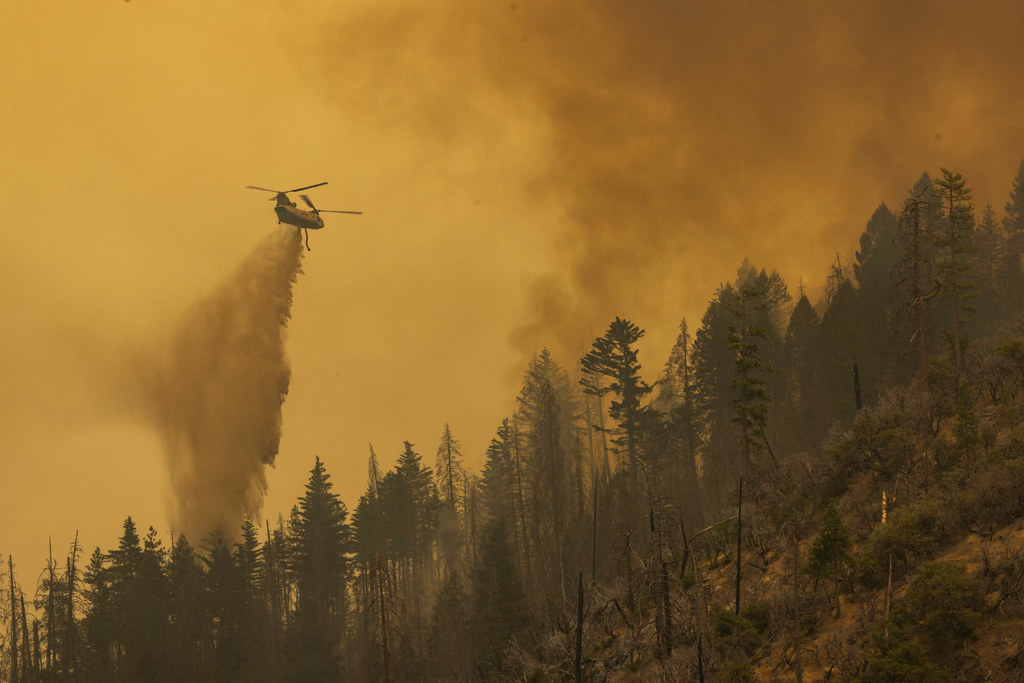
(825, 490)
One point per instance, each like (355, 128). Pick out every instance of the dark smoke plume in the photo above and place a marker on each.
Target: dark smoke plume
(218, 388)
(682, 137)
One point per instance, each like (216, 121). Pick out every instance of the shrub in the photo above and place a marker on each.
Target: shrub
(943, 604)
(734, 634)
(911, 534)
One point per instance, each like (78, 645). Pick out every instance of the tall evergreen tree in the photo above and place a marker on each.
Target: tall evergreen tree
(677, 398)
(319, 549)
(448, 471)
(449, 474)
(450, 645)
(99, 627)
(614, 357)
(801, 403)
(873, 266)
(713, 366)
(1013, 260)
(988, 265)
(954, 240)
(913, 273)
(189, 630)
(750, 385)
(499, 612)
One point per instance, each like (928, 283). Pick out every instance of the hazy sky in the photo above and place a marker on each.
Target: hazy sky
(527, 169)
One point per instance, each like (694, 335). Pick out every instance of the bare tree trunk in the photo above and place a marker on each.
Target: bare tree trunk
(35, 644)
(700, 627)
(578, 668)
(27, 644)
(593, 549)
(14, 623)
(659, 598)
(796, 610)
(604, 437)
(50, 611)
(382, 595)
(522, 502)
(739, 544)
(69, 636)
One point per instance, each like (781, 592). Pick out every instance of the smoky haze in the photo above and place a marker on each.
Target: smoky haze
(528, 170)
(683, 136)
(216, 391)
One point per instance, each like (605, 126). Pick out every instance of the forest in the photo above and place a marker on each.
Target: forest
(786, 501)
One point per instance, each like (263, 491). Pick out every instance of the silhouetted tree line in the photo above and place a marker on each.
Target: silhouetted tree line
(597, 481)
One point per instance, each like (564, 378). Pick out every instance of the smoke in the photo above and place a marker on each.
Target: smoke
(681, 137)
(217, 389)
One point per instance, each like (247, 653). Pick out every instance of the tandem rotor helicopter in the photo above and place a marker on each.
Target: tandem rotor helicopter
(288, 212)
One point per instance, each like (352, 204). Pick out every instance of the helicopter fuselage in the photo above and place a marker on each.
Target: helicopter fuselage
(292, 215)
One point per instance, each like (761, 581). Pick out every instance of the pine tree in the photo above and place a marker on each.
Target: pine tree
(188, 621)
(829, 557)
(955, 242)
(1013, 261)
(802, 404)
(913, 273)
(713, 367)
(499, 610)
(449, 470)
(450, 645)
(449, 474)
(100, 626)
(750, 385)
(873, 266)
(677, 399)
(988, 265)
(614, 357)
(226, 596)
(319, 543)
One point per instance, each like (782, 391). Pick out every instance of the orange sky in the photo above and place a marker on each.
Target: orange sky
(527, 169)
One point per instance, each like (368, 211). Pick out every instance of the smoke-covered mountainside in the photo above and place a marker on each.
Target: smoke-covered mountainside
(828, 490)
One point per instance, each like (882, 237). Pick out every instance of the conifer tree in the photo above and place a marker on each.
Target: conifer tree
(829, 557)
(913, 273)
(677, 398)
(988, 266)
(448, 471)
(750, 386)
(614, 357)
(318, 554)
(713, 367)
(801, 403)
(450, 645)
(188, 620)
(499, 611)
(1013, 260)
(873, 265)
(99, 627)
(449, 474)
(954, 240)
(226, 596)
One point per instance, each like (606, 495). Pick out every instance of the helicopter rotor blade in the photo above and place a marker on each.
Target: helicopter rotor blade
(306, 199)
(358, 213)
(253, 187)
(307, 187)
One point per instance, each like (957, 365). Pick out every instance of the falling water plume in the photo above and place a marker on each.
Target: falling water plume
(218, 389)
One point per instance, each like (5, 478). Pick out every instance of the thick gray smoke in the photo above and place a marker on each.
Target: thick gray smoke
(218, 388)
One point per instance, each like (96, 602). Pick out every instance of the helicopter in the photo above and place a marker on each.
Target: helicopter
(288, 212)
